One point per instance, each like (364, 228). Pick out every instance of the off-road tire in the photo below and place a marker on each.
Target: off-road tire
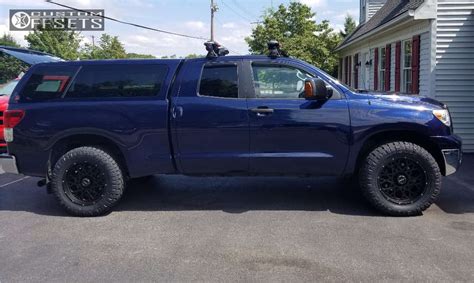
(113, 181)
(369, 178)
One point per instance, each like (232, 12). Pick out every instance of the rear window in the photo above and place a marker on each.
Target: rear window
(106, 81)
(47, 82)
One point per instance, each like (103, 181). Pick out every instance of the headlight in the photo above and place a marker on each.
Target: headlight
(443, 116)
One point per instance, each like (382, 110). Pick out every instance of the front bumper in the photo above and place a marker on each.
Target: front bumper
(8, 164)
(451, 149)
(452, 160)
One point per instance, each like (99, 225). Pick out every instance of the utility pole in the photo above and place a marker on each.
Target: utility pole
(214, 9)
(93, 41)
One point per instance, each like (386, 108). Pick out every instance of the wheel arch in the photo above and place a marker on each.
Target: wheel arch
(415, 137)
(67, 143)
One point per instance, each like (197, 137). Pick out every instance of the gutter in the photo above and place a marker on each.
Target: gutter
(401, 18)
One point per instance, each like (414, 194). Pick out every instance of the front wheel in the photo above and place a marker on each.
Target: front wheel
(400, 179)
(87, 181)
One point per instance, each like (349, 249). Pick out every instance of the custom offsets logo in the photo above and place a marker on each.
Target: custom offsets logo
(87, 20)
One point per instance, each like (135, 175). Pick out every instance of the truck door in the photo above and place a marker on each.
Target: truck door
(291, 135)
(210, 122)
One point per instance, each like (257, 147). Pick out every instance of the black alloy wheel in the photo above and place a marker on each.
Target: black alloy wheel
(400, 178)
(402, 181)
(85, 183)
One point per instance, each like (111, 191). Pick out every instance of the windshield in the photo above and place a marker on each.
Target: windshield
(7, 89)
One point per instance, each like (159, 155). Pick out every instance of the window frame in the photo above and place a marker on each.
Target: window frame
(337, 93)
(403, 82)
(20, 96)
(280, 65)
(382, 68)
(158, 95)
(354, 73)
(220, 64)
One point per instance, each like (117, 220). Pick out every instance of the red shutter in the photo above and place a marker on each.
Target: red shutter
(356, 71)
(345, 70)
(350, 70)
(388, 63)
(415, 65)
(339, 77)
(398, 53)
(376, 69)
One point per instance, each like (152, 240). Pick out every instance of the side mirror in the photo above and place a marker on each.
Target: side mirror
(316, 89)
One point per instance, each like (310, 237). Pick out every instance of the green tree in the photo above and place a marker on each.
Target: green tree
(349, 26)
(10, 67)
(61, 43)
(8, 40)
(169, 57)
(109, 47)
(299, 35)
(193, 55)
(140, 56)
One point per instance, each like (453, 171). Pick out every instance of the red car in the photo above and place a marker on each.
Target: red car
(5, 92)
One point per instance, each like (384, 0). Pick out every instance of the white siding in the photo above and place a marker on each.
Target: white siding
(455, 64)
(392, 66)
(425, 57)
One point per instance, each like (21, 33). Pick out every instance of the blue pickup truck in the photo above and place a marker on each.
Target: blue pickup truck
(88, 127)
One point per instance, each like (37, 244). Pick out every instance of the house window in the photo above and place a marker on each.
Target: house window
(382, 63)
(407, 55)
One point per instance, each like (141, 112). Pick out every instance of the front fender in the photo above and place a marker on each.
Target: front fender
(380, 118)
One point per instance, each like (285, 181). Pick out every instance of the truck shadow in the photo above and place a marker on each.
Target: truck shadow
(235, 195)
(239, 195)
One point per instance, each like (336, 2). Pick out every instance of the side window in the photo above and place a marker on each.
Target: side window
(47, 82)
(219, 81)
(279, 81)
(118, 81)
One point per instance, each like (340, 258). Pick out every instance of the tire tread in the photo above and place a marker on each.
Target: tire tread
(115, 175)
(368, 178)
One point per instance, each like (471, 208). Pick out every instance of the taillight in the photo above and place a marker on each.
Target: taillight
(11, 118)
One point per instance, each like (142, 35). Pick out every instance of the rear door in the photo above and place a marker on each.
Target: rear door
(291, 135)
(210, 119)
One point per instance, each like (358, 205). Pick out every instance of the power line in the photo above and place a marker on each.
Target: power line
(136, 25)
(129, 23)
(242, 8)
(235, 12)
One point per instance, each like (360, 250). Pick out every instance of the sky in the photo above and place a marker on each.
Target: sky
(234, 21)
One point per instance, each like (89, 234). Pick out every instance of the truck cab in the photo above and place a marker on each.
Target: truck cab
(253, 118)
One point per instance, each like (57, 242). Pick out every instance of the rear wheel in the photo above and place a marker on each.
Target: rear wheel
(400, 179)
(87, 181)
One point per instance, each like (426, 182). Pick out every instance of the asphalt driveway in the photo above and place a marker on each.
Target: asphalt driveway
(236, 229)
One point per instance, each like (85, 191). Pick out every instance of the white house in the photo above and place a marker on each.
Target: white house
(416, 47)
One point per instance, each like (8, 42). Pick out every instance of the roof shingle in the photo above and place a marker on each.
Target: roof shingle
(391, 10)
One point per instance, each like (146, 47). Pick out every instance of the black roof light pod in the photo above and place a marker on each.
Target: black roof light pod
(215, 50)
(275, 50)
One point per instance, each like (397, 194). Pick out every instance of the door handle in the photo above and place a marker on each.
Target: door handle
(262, 111)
